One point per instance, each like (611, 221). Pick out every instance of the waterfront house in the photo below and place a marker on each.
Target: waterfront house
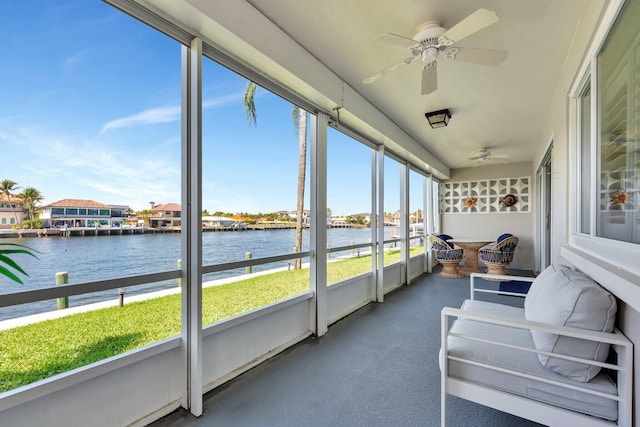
(69, 213)
(338, 221)
(562, 105)
(281, 213)
(10, 211)
(306, 214)
(222, 221)
(395, 218)
(366, 217)
(165, 216)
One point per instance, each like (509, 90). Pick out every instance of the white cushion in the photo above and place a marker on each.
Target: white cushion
(493, 309)
(518, 361)
(561, 296)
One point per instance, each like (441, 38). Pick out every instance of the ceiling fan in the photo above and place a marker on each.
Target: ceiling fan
(484, 155)
(431, 40)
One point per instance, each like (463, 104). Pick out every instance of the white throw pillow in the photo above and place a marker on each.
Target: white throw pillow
(562, 296)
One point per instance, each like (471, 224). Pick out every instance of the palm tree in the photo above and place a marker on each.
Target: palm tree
(299, 117)
(30, 198)
(145, 214)
(7, 187)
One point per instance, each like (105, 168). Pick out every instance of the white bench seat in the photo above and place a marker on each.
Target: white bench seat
(488, 355)
(462, 351)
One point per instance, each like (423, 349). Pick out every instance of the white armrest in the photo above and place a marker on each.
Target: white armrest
(615, 338)
(500, 277)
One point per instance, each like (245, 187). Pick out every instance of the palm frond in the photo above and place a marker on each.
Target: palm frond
(14, 248)
(295, 117)
(249, 104)
(6, 272)
(11, 263)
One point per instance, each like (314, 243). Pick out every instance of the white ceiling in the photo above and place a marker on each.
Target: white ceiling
(502, 108)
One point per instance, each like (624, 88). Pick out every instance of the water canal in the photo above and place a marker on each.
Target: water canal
(93, 258)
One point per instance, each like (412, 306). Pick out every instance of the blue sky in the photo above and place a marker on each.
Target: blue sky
(90, 109)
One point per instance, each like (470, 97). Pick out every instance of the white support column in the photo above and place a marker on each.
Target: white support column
(404, 223)
(380, 238)
(427, 220)
(432, 221)
(191, 248)
(318, 226)
(374, 224)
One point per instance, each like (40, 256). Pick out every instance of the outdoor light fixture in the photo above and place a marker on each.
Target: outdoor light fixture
(438, 119)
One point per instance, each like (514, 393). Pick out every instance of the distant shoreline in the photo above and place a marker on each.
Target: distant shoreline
(81, 231)
(108, 231)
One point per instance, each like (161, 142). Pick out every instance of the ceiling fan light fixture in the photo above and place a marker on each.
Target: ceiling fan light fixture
(438, 119)
(429, 55)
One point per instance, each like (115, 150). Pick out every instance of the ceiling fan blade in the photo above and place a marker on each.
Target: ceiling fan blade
(397, 40)
(490, 57)
(429, 79)
(499, 160)
(372, 78)
(473, 23)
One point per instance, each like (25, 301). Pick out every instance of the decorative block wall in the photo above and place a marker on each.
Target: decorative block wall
(486, 196)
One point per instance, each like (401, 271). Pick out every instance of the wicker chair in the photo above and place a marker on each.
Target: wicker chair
(497, 256)
(447, 255)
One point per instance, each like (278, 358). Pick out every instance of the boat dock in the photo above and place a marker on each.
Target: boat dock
(84, 231)
(108, 231)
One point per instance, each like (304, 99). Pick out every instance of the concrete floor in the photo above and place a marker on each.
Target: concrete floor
(377, 367)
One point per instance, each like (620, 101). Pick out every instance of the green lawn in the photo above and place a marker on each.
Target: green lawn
(40, 350)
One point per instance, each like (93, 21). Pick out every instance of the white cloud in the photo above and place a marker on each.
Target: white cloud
(154, 115)
(73, 61)
(69, 162)
(222, 100)
(74, 166)
(167, 114)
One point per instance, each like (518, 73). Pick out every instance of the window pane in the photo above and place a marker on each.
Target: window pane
(391, 209)
(416, 212)
(90, 110)
(619, 89)
(349, 204)
(250, 175)
(585, 160)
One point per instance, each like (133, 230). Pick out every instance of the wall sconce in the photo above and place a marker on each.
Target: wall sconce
(438, 119)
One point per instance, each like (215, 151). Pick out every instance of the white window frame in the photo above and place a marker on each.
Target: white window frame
(613, 263)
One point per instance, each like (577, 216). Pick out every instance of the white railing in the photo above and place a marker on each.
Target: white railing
(230, 347)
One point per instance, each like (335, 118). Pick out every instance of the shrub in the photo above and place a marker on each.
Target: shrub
(35, 224)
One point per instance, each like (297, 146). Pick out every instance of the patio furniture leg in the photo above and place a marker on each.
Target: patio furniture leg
(496, 268)
(450, 270)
